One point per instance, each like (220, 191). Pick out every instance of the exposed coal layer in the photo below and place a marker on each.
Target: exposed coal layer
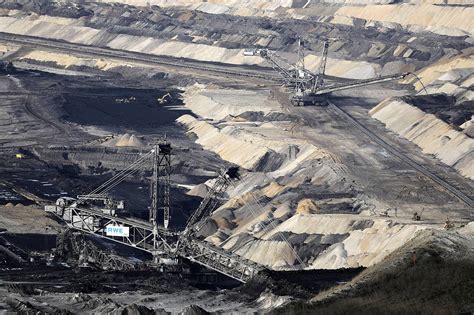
(43, 7)
(49, 184)
(7, 195)
(444, 107)
(62, 279)
(31, 242)
(301, 284)
(212, 29)
(120, 107)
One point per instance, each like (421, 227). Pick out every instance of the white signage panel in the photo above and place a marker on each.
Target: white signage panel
(115, 230)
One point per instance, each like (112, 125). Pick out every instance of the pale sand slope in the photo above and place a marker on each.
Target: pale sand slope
(228, 147)
(427, 244)
(431, 134)
(251, 145)
(262, 150)
(325, 241)
(67, 60)
(217, 104)
(242, 226)
(455, 21)
(363, 247)
(72, 31)
(26, 219)
(452, 76)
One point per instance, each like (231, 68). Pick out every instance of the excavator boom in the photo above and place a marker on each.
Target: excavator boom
(359, 83)
(211, 200)
(309, 88)
(318, 82)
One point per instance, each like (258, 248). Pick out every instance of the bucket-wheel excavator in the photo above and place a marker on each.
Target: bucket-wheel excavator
(306, 87)
(97, 213)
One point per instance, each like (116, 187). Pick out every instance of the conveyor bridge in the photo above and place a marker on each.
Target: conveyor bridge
(149, 236)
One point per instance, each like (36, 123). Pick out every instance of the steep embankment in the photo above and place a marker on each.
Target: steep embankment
(26, 219)
(439, 123)
(246, 129)
(229, 147)
(450, 75)
(438, 16)
(431, 134)
(444, 20)
(296, 194)
(432, 273)
(74, 31)
(186, 32)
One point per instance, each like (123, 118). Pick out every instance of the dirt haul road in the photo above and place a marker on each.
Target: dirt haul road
(363, 150)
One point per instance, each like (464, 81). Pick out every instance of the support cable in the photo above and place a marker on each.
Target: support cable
(121, 173)
(298, 258)
(130, 173)
(419, 80)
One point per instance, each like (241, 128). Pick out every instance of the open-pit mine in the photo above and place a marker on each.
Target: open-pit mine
(267, 156)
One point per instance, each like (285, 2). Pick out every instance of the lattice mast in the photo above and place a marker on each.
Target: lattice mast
(164, 184)
(160, 184)
(154, 188)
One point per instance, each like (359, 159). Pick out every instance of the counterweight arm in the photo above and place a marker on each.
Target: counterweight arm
(360, 83)
(211, 200)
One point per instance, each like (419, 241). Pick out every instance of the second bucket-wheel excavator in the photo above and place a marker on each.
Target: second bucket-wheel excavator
(306, 87)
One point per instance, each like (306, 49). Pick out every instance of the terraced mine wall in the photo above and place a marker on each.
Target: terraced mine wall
(309, 197)
(412, 14)
(89, 159)
(431, 134)
(188, 33)
(299, 190)
(439, 119)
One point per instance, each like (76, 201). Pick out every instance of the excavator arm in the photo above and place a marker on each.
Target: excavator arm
(279, 65)
(319, 81)
(209, 203)
(359, 83)
(308, 86)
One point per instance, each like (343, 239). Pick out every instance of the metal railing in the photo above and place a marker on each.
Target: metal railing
(141, 235)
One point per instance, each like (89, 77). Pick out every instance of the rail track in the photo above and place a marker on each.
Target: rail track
(418, 167)
(222, 69)
(30, 111)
